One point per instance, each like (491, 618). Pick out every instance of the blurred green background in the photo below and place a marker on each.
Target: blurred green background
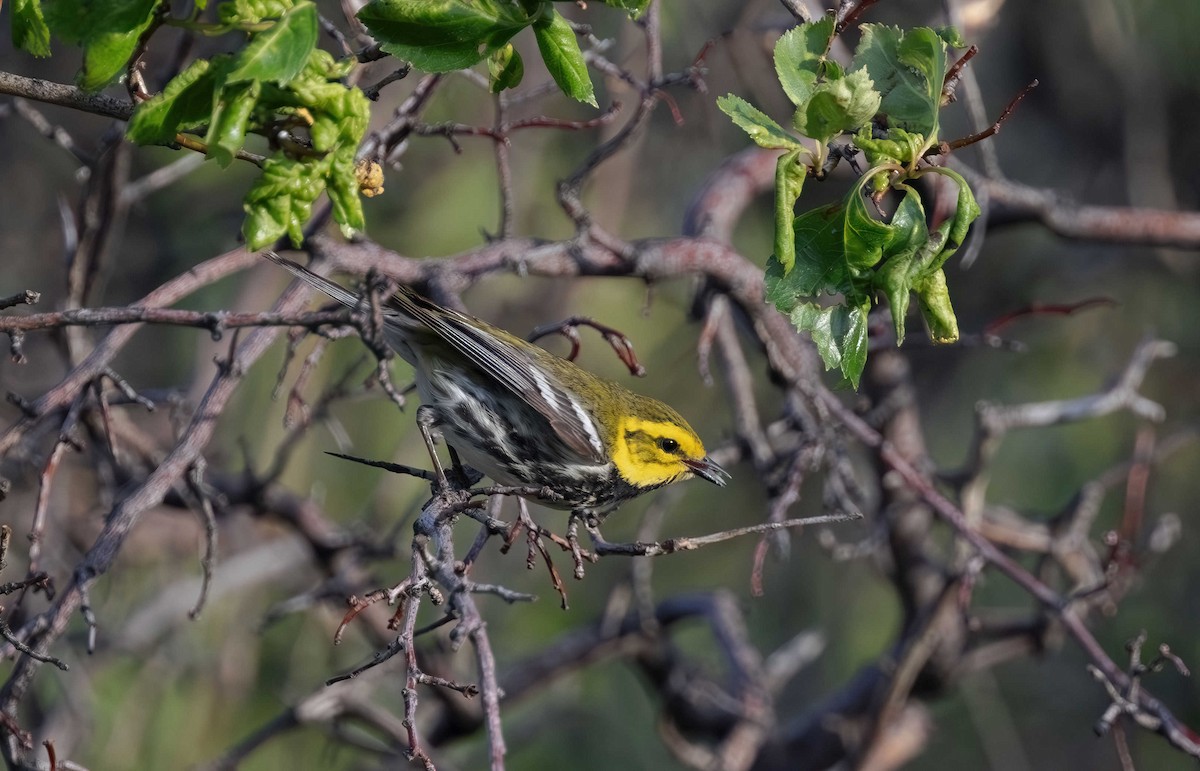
(1112, 123)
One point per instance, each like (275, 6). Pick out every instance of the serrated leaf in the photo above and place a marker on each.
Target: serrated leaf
(29, 30)
(790, 174)
(779, 291)
(442, 35)
(107, 31)
(560, 50)
(505, 69)
(279, 53)
(762, 130)
(820, 265)
(908, 69)
(186, 103)
(837, 106)
(799, 56)
(840, 334)
(230, 115)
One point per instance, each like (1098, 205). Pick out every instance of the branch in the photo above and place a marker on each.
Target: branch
(120, 521)
(686, 543)
(97, 362)
(1178, 734)
(1013, 202)
(64, 96)
(214, 321)
(28, 297)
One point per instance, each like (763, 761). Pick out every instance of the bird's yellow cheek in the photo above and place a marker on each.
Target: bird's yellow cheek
(643, 469)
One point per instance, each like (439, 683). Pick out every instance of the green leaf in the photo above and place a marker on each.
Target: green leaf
(936, 309)
(442, 35)
(280, 52)
(820, 265)
(951, 36)
(505, 68)
(895, 276)
(560, 50)
(901, 147)
(840, 334)
(863, 236)
(966, 211)
(29, 30)
(908, 228)
(837, 106)
(343, 188)
(800, 57)
(186, 103)
(762, 130)
(280, 201)
(790, 174)
(107, 31)
(252, 11)
(230, 115)
(836, 245)
(340, 114)
(916, 261)
(908, 69)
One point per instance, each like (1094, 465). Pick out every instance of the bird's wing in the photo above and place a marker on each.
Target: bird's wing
(512, 368)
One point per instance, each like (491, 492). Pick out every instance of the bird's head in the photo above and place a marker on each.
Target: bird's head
(655, 446)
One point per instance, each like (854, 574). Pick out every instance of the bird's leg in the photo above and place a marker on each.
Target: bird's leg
(573, 540)
(426, 423)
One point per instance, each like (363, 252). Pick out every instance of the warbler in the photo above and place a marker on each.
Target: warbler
(525, 417)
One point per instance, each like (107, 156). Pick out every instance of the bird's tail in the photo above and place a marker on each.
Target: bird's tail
(336, 291)
(399, 325)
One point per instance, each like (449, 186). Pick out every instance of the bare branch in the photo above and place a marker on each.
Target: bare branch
(64, 96)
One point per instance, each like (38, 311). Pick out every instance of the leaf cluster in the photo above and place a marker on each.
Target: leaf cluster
(279, 84)
(282, 86)
(889, 99)
(445, 35)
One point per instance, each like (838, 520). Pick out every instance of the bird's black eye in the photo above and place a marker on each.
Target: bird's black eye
(668, 445)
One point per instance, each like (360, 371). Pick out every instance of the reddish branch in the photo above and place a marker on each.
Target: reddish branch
(943, 148)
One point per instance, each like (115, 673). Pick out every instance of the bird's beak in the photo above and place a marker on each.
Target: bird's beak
(707, 468)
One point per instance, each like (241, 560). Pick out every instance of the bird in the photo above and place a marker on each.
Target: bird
(525, 417)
